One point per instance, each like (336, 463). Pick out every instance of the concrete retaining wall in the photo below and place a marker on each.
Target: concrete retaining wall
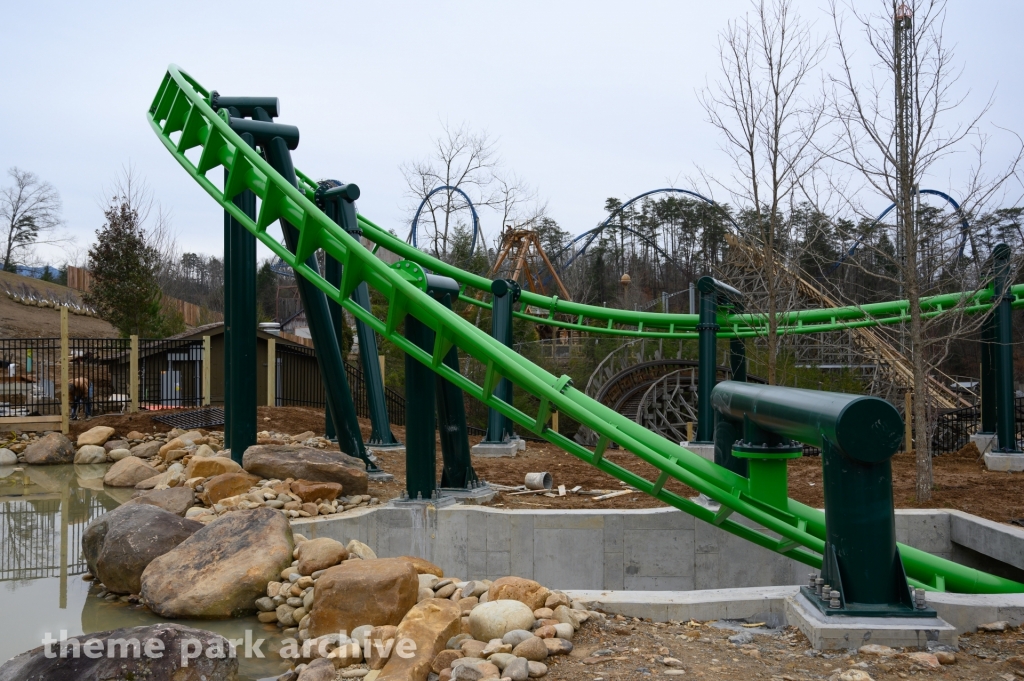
(633, 550)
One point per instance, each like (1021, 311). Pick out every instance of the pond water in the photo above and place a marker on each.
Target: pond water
(43, 513)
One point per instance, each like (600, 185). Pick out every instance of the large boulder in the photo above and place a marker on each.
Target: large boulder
(50, 449)
(176, 500)
(210, 467)
(88, 454)
(306, 463)
(429, 625)
(358, 592)
(222, 569)
(95, 436)
(119, 544)
(120, 658)
(228, 485)
(129, 472)
(519, 589)
(494, 619)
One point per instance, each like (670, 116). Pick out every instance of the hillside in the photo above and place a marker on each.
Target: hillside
(24, 321)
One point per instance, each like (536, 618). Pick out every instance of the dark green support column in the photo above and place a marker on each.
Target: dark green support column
(505, 293)
(738, 359)
(712, 294)
(420, 390)
(338, 202)
(240, 369)
(1002, 299)
(457, 467)
(988, 374)
(332, 273)
(277, 141)
(858, 436)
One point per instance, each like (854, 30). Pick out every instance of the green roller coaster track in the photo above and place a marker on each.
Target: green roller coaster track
(183, 119)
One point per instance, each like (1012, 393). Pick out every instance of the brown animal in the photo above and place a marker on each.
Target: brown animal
(78, 394)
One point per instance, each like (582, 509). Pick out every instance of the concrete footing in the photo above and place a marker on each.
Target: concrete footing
(985, 442)
(379, 476)
(1005, 461)
(476, 495)
(842, 632)
(497, 449)
(703, 450)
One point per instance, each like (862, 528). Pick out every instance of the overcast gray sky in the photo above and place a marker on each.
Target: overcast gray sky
(586, 99)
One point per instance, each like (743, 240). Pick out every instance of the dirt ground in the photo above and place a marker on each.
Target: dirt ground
(23, 321)
(626, 648)
(961, 480)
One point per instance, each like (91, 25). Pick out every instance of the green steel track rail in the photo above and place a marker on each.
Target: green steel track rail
(201, 141)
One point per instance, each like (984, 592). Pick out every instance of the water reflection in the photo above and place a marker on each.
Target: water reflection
(44, 511)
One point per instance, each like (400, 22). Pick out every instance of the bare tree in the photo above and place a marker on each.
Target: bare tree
(895, 129)
(460, 158)
(29, 211)
(765, 107)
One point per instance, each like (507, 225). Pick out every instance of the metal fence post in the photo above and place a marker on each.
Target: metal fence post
(206, 371)
(271, 372)
(133, 375)
(65, 407)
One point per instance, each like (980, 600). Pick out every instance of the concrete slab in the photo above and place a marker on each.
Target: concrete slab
(842, 633)
(709, 604)
(497, 449)
(1009, 462)
(379, 476)
(477, 495)
(705, 451)
(967, 611)
(985, 442)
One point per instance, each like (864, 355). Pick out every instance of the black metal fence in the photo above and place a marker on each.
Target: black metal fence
(298, 383)
(99, 375)
(954, 428)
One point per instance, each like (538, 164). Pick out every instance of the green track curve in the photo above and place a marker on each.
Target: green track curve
(201, 141)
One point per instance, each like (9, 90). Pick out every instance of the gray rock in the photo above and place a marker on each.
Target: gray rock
(222, 569)
(517, 670)
(129, 472)
(514, 638)
(741, 638)
(265, 604)
(147, 449)
(119, 544)
(455, 642)
(533, 649)
(177, 500)
(111, 445)
(537, 669)
(87, 454)
(124, 664)
(499, 660)
(50, 449)
(320, 669)
(7, 457)
(305, 463)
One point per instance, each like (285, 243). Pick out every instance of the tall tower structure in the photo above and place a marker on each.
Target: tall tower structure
(905, 81)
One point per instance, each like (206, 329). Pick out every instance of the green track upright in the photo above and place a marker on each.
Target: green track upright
(201, 140)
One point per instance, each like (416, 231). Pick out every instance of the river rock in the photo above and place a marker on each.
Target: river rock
(359, 592)
(358, 548)
(519, 589)
(146, 450)
(172, 477)
(50, 449)
(306, 463)
(444, 659)
(119, 544)
(557, 646)
(7, 457)
(169, 639)
(382, 646)
(533, 649)
(129, 472)
(319, 554)
(95, 436)
(423, 567)
(209, 467)
(111, 445)
(428, 625)
(228, 485)
(494, 619)
(118, 454)
(518, 669)
(309, 491)
(88, 454)
(176, 500)
(320, 669)
(222, 569)
(537, 669)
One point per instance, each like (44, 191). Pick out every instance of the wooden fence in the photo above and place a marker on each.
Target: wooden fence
(80, 279)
